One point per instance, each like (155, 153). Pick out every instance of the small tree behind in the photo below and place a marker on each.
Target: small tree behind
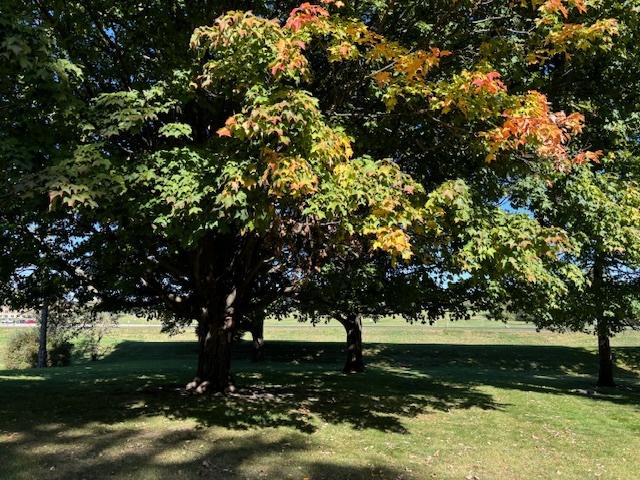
(359, 285)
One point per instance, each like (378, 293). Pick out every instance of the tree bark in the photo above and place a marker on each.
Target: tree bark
(215, 336)
(257, 333)
(353, 326)
(605, 355)
(214, 361)
(42, 339)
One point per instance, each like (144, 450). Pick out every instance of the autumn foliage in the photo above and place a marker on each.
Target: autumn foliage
(275, 146)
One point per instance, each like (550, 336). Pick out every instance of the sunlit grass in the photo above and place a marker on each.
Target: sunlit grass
(434, 403)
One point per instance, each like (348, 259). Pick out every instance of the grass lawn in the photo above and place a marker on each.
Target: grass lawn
(443, 403)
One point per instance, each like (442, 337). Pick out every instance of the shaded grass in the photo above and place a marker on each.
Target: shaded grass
(432, 404)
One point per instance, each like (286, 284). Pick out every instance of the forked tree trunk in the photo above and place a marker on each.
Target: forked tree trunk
(605, 355)
(353, 326)
(257, 333)
(42, 338)
(215, 335)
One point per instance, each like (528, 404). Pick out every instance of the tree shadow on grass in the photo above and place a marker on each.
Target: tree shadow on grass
(57, 452)
(83, 421)
(628, 356)
(73, 419)
(298, 387)
(531, 368)
(302, 392)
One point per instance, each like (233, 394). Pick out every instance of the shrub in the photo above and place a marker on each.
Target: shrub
(22, 350)
(88, 345)
(59, 352)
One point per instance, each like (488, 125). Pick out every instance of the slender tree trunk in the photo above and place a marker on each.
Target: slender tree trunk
(605, 355)
(257, 333)
(42, 339)
(215, 335)
(353, 326)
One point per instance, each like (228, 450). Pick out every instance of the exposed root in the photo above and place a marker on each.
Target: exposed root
(199, 387)
(192, 385)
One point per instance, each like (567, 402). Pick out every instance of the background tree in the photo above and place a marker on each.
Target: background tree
(37, 85)
(598, 204)
(582, 55)
(359, 285)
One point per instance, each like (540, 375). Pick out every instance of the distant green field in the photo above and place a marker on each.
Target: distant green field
(475, 322)
(488, 402)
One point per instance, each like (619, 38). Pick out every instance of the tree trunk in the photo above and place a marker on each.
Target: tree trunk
(605, 355)
(353, 325)
(257, 333)
(42, 339)
(214, 361)
(215, 335)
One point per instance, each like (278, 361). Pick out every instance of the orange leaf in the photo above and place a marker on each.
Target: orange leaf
(224, 132)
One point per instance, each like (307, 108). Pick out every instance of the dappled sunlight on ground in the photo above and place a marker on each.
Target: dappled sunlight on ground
(419, 411)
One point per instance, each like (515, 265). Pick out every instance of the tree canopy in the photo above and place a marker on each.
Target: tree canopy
(192, 178)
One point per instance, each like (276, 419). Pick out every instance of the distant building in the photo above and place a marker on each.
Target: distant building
(17, 316)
